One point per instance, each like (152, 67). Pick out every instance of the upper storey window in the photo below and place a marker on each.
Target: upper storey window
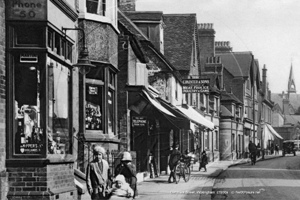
(102, 11)
(96, 7)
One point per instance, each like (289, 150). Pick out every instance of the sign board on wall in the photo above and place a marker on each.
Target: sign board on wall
(27, 10)
(195, 85)
(139, 121)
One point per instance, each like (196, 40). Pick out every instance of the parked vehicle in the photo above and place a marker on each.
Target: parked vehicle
(288, 147)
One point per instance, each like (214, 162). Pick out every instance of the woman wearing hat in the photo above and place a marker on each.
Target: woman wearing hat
(128, 170)
(97, 174)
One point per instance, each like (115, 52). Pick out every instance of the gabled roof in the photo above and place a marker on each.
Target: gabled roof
(292, 119)
(228, 96)
(213, 77)
(145, 44)
(179, 33)
(237, 63)
(144, 15)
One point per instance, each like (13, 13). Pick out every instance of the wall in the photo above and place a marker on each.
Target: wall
(42, 182)
(102, 42)
(3, 175)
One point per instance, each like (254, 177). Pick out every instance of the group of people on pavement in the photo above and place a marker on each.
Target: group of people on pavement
(100, 184)
(176, 155)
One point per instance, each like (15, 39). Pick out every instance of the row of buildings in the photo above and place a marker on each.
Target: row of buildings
(78, 73)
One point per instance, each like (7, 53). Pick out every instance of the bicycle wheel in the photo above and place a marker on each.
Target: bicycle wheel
(187, 173)
(177, 173)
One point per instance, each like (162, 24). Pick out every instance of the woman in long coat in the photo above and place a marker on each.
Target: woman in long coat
(128, 170)
(203, 161)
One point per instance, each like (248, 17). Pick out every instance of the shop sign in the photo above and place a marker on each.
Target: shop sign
(195, 85)
(28, 58)
(27, 10)
(139, 121)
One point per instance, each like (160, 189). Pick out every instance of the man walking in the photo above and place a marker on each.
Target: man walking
(252, 149)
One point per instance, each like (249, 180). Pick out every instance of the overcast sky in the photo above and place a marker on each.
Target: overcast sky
(270, 29)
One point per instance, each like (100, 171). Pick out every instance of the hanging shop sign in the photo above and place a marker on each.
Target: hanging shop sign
(195, 85)
(27, 10)
(139, 121)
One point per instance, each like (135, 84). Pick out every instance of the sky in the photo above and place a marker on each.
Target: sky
(270, 29)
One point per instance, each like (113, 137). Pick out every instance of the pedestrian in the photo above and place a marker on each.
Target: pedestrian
(97, 174)
(128, 170)
(258, 150)
(203, 161)
(276, 149)
(252, 149)
(120, 189)
(174, 158)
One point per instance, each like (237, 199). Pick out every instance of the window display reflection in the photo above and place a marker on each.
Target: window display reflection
(58, 120)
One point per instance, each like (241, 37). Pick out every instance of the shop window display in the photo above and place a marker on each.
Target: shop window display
(29, 132)
(58, 119)
(93, 108)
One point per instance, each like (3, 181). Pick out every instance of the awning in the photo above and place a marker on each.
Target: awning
(267, 134)
(156, 104)
(273, 131)
(195, 116)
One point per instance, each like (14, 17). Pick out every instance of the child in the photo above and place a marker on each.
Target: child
(120, 189)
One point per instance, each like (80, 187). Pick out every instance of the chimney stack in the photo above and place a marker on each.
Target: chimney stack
(206, 38)
(222, 47)
(264, 77)
(126, 5)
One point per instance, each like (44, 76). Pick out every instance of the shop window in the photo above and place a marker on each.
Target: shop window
(29, 134)
(57, 44)
(232, 142)
(58, 120)
(94, 108)
(216, 140)
(50, 39)
(96, 7)
(110, 114)
(206, 140)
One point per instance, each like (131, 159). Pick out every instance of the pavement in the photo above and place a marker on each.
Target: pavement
(199, 186)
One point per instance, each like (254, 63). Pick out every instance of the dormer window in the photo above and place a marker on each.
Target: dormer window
(96, 7)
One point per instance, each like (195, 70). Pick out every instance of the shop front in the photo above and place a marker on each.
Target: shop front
(40, 84)
(154, 129)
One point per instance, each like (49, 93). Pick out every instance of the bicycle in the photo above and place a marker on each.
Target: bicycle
(182, 169)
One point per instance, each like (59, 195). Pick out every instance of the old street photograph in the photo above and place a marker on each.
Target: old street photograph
(149, 99)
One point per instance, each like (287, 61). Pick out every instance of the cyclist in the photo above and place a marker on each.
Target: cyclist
(252, 149)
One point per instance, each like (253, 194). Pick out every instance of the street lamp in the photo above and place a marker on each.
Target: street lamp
(84, 66)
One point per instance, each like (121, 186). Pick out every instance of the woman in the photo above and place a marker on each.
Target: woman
(128, 170)
(97, 174)
(203, 161)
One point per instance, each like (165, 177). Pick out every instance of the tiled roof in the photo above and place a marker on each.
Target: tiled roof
(127, 23)
(226, 96)
(237, 63)
(292, 119)
(144, 15)
(178, 38)
(225, 112)
(212, 80)
(294, 100)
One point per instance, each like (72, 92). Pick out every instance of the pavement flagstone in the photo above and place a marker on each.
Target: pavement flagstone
(199, 186)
